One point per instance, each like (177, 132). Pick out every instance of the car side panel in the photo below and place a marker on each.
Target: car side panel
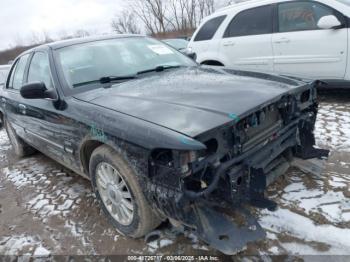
(45, 129)
(10, 104)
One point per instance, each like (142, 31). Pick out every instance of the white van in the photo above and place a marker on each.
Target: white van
(306, 38)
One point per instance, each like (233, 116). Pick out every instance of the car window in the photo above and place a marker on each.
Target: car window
(301, 16)
(209, 29)
(256, 21)
(39, 69)
(12, 72)
(18, 73)
(3, 74)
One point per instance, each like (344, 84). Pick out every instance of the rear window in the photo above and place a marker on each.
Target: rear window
(256, 21)
(3, 74)
(17, 73)
(209, 29)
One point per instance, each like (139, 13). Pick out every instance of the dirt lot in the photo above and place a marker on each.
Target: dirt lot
(46, 209)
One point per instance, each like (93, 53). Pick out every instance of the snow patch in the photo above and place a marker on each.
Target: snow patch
(22, 245)
(286, 221)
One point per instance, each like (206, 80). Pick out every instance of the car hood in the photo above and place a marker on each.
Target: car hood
(192, 100)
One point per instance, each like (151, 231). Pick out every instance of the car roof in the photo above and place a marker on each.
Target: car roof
(235, 5)
(75, 41)
(244, 5)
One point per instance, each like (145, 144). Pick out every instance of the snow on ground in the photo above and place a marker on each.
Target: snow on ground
(50, 200)
(330, 204)
(22, 244)
(291, 223)
(333, 126)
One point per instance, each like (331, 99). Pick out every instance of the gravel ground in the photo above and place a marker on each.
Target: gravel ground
(46, 209)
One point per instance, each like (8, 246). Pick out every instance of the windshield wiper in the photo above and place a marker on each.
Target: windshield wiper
(106, 79)
(158, 69)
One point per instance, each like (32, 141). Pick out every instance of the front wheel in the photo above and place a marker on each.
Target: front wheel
(120, 195)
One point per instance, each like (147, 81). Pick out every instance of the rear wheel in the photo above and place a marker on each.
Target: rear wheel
(119, 193)
(20, 147)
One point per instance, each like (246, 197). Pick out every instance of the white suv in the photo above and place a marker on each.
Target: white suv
(302, 38)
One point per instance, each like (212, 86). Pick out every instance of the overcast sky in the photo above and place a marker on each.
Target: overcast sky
(20, 19)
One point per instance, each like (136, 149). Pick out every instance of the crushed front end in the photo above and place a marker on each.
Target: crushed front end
(202, 189)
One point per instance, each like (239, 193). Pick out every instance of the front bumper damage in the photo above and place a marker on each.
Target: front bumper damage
(235, 183)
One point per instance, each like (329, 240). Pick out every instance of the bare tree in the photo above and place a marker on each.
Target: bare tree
(162, 16)
(205, 7)
(152, 13)
(126, 23)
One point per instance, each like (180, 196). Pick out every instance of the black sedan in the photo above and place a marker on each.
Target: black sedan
(159, 136)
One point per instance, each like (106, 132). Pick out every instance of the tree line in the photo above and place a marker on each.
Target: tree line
(159, 17)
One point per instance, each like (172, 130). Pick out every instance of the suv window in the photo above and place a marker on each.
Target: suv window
(255, 21)
(39, 70)
(301, 16)
(17, 74)
(209, 29)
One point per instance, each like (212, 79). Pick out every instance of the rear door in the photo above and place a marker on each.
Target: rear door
(11, 99)
(303, 49)
(247, 40)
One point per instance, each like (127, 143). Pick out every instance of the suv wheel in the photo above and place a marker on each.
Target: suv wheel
(119, 193)
(20, 147)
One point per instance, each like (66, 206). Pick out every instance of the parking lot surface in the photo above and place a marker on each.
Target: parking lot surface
(46, 209)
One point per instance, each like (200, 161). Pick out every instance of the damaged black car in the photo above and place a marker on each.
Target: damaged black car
(159, 136)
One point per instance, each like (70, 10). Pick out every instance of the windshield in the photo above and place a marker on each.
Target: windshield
(346, 2)
(88, 62)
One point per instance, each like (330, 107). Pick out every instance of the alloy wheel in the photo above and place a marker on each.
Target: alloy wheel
(115, 193)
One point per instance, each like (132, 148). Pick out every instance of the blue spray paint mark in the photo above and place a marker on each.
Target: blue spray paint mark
(234, 117)
(98, 133)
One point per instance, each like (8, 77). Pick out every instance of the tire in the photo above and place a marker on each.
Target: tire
(20, 147)
(109, 169)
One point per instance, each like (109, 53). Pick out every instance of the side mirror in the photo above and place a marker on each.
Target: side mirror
(193, 56)
(37, 90)
(328, 22)
(189, 54)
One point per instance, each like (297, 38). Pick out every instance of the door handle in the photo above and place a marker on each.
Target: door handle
(282, 41)
(22, 108)
(230, 43)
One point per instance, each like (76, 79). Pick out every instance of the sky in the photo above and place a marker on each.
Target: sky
(23, 20)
